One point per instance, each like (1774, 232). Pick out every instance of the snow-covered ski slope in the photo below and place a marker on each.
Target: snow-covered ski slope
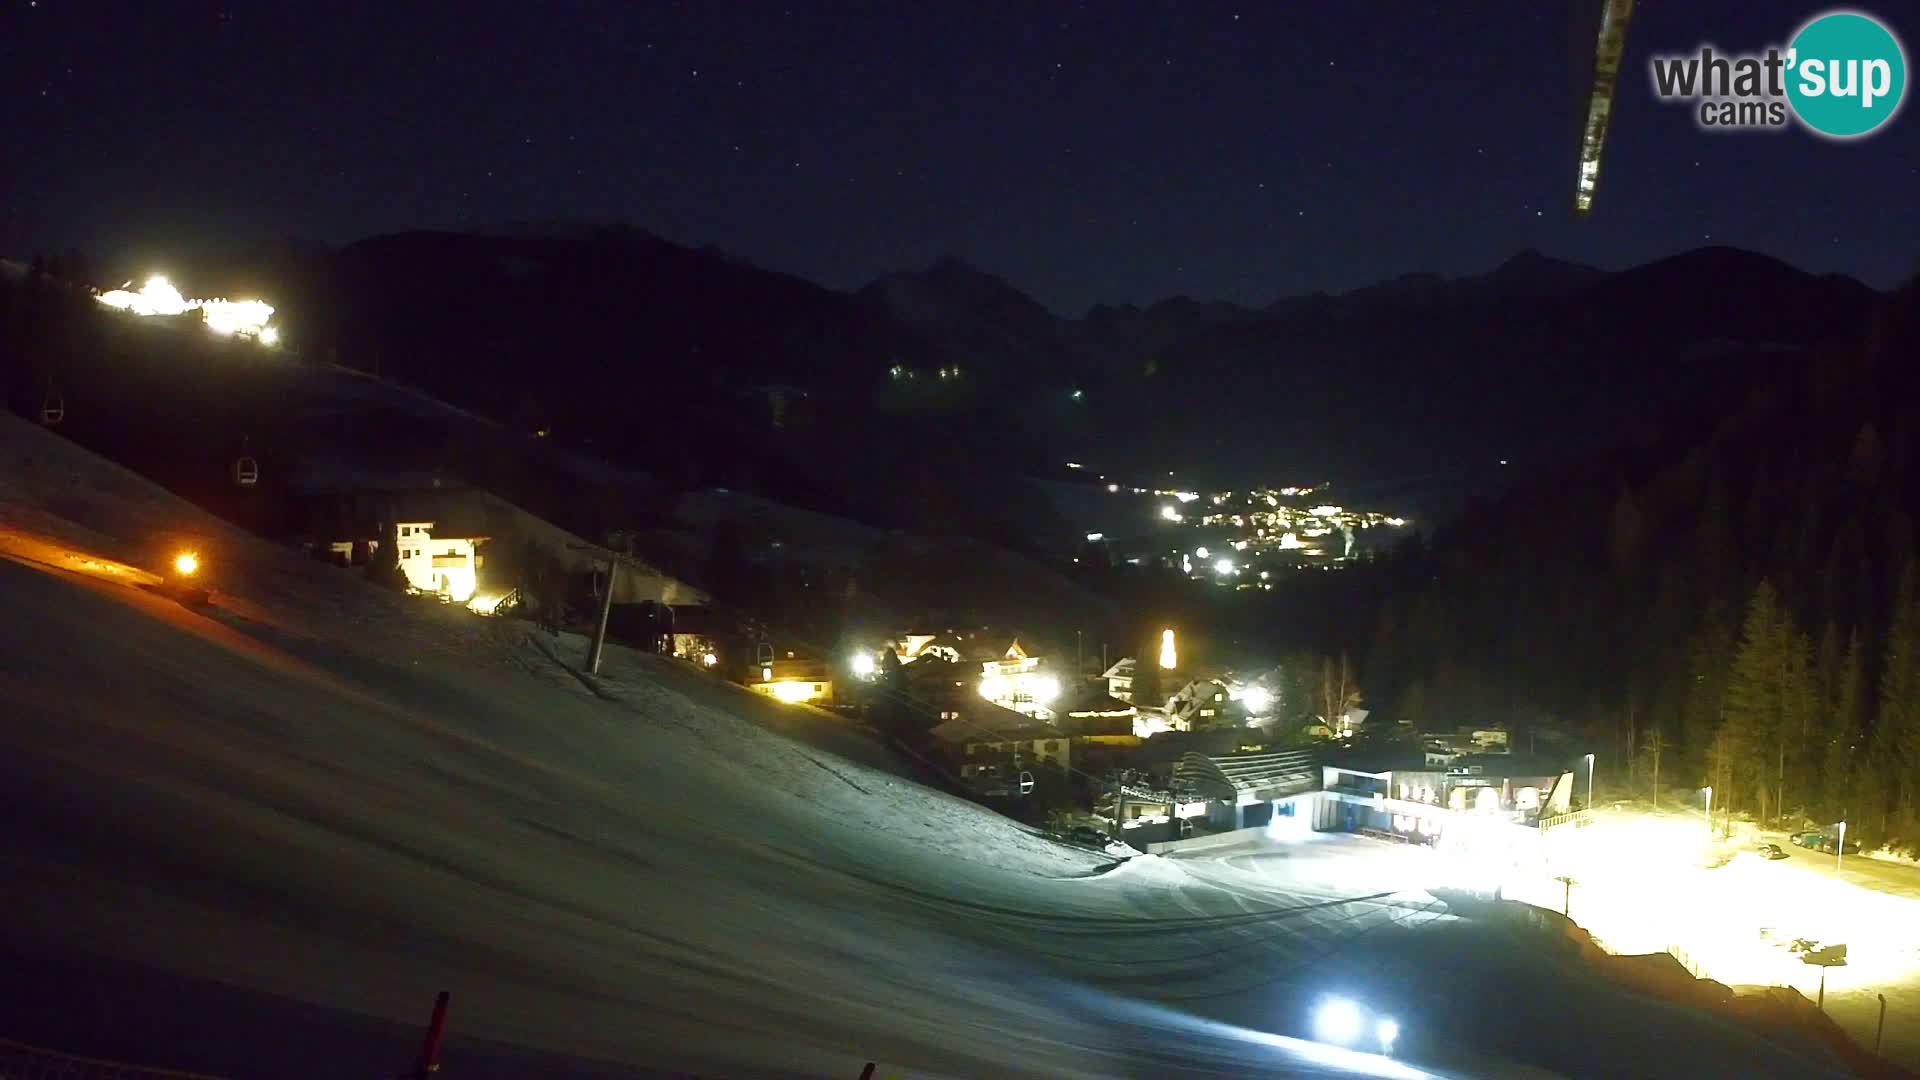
(255, 840)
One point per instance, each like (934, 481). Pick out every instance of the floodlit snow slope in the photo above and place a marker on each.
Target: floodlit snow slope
(310, 807)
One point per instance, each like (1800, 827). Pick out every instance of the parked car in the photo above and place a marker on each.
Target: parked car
(1087, 834)
(1822, 842)
(1771, 851)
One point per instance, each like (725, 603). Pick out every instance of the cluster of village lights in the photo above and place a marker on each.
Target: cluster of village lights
(243, 318)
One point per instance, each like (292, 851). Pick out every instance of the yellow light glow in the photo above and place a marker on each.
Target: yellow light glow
(710, 659)
(793, 692)
(1168, 657)
(186, 564)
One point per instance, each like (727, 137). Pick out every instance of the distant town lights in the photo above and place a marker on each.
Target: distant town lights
(1169, 513)
(1095, 537)
(1223, 567)
(158, 297)
(1113, 489)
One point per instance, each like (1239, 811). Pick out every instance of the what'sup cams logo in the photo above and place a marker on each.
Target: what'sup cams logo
(1842, 76)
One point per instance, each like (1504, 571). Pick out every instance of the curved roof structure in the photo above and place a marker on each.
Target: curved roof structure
(1234, 777)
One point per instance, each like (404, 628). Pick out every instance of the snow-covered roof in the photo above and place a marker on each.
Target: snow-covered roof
(991, 723)
(1227, 776)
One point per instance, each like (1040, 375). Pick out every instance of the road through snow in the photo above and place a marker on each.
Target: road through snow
(256, 841)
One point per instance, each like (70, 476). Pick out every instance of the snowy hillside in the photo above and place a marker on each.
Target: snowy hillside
(255, 841)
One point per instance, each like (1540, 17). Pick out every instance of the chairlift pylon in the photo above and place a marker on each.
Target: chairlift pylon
(53, 409)
(1026, 783)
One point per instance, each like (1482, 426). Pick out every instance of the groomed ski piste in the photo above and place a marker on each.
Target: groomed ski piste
(256, 838)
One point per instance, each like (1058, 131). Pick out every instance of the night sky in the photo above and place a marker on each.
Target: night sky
(1087, 152)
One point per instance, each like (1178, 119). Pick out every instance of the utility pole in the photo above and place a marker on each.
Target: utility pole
(600, 628)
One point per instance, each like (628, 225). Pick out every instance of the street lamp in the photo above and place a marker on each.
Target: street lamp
(1840, 849)
(1709, 812)
(1589, 782)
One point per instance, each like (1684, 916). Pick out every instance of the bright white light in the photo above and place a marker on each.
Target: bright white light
(1337, 1020)
(1397, 522)
(159, 297)
(993, 688)
(1199, 553)
(710, 659)
(156, 297)
(1094, 538)
(1169, 513)
(1257, 699)
(1168, 658)
(1265, 574)
(1325, 511)
(1044, 688)
(236, 317)
(1291, 542)
(1185, 496)
(1113, 489)
(863, 664)
(1075, 465)
(766, 674)
(1223, 567)
(1386, 1030)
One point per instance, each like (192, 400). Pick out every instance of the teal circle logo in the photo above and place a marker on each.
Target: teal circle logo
(1846, 74)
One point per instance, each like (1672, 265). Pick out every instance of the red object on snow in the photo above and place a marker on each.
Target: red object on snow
(436, 1031)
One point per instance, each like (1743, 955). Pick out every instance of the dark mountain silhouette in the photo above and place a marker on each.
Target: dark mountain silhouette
(1421, 384)
(978, 316)
(705, 369)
